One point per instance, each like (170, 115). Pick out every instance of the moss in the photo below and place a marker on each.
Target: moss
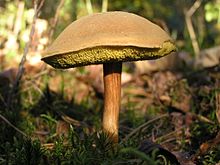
(99, 55)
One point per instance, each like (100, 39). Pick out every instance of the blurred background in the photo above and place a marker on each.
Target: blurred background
(44, 104)
(194, 25)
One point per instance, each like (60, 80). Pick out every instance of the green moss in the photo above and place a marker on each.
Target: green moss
(99, 55)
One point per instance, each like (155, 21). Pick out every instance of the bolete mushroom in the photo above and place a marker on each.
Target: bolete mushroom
(109, 38)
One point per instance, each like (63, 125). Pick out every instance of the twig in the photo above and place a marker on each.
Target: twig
(89, 7)
(169, 134)
(55, 19)
(144, 125)
(168, 140)
(71, 120)
(194, 7)
(188, 16)
(203, 119)
(26, 49)
(104, 5)
(10, 124)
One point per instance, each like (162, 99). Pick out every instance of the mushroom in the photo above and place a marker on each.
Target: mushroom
(109, 38)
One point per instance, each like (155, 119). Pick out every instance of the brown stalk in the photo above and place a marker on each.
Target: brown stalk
(112, 94)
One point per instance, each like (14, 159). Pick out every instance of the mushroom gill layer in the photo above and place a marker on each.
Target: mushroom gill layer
(105, 54)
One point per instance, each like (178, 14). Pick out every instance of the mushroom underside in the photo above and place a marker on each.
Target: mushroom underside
(107, 54)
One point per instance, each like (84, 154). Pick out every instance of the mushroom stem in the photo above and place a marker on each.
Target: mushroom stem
(112, 89)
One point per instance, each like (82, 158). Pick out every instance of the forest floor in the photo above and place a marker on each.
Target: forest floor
(55, 117)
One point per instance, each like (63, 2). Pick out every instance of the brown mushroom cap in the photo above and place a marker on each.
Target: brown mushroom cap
(108, 37)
